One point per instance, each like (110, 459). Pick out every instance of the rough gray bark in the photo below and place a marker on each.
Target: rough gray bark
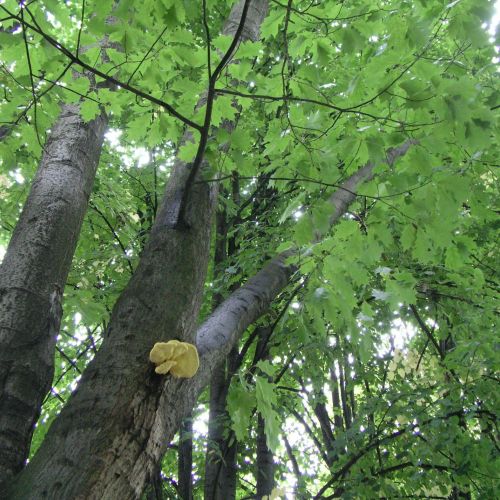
(116, 425)
(109, 435)
(33, 274)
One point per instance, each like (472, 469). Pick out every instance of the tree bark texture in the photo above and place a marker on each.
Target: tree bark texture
(33, 275)
(117, 424)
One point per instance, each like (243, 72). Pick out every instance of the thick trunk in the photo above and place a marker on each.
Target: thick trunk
(108, 437)
(33, 275)
(185, 459)
(116, 425)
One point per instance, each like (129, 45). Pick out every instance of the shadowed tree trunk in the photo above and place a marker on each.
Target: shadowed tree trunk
(265, 462)
(221, 454)
(33, 275)
(326, 431)
(265, 459)
(185, 459)
(220, 465)
(336, 406)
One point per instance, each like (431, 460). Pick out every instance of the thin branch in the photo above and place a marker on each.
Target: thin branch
(426, 330)
(205, 129)
(146, 54)
(115, 235)
(76, 60)
(82, 17)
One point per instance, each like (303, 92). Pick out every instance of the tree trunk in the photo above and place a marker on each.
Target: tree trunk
(220, 457)
(295, 467)
(346, 410)
(220, 463)
(185, 459)
(33, 275)
(326, 431)
(337, 409)
(265, 459)
(116, 425)
(265, 462)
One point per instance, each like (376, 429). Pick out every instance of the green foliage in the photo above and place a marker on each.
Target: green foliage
(391, 327)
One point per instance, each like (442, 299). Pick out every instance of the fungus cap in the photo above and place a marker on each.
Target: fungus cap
(178, 358)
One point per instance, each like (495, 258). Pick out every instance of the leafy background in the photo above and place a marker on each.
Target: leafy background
(381, 372)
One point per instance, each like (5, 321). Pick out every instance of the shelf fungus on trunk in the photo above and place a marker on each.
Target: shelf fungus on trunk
(175, 357)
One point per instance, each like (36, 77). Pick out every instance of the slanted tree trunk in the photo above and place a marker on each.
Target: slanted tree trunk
(33, 275)
(116, 425)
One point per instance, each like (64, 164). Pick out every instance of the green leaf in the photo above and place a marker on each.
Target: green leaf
(89, 109)
(240, 405)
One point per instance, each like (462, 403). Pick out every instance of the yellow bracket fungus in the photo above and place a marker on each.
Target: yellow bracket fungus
(178, 358)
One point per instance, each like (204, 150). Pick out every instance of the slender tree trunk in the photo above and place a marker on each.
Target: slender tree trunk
(33, 275)
(185, 458)
(265, 462)
(116, 425)
(343, 395)
(220, 458)
(295, 467)
(155, 486)
(265, 459)
(326, 431)
(220, 464)
(216, 424)
(337, 409)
